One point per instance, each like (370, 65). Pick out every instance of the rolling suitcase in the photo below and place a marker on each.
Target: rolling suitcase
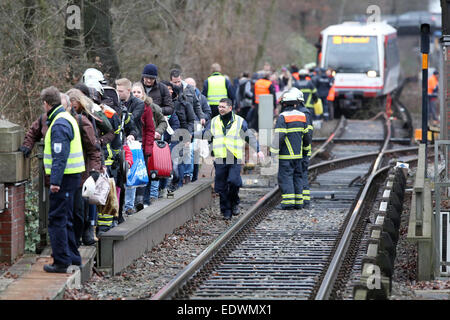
(160, 163)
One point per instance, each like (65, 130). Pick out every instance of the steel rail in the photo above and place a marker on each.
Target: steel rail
(331, 274)
(339, 128)
(171, 288)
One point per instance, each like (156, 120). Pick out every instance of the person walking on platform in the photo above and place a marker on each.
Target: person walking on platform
(217, 87)
(64, 162)
(291, 137)
(229, 132)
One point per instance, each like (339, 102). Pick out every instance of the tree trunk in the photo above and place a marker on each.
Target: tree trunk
(262, 45)
(72, 32)
(28, 23)
(98, 37)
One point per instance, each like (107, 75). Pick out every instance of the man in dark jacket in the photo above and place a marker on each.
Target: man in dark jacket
(189, 92)
(206, 109)
(156, 90)
(134, 105)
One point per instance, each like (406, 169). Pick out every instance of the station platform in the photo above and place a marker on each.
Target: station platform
(27, 280)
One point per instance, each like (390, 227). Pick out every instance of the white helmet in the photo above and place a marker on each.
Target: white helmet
(299, 94)
(303, 72)
(88, 188)
(290, 97)
(94, 78)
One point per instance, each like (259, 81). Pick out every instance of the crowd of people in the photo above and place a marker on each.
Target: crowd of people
(87, 131)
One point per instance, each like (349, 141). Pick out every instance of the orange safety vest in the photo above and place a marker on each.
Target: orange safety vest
(432, 83)
(261, 87)
(331, 94)
(296, 76)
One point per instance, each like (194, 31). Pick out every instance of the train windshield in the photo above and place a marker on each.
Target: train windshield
(352, 54)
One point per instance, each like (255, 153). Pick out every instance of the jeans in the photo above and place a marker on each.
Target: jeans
(154, 189)
(130, 195)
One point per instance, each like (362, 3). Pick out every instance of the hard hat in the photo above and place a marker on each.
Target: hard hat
(303, 72)
(310, 66)
(88, 188)
(290, 97)
(94, 78)
(299, 94)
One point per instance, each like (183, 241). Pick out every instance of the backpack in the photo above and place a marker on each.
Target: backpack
(102, 122)
(111, 99)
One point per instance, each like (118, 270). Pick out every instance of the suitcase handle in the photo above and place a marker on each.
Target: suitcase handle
(161, 143)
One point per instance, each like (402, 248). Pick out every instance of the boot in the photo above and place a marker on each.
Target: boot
(88, 236)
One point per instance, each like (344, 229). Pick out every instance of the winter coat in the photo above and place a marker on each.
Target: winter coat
(191, 97)
(158, 119)
(36, 132)
(91, 145)
(148, 130)
(161, 96)
(185, 113)
(136, 107)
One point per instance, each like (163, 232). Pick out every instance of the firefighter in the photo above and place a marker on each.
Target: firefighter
(308, 89)
(307, 151)
(291, 137)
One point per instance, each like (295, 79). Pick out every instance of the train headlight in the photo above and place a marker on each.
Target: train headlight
(371, 73)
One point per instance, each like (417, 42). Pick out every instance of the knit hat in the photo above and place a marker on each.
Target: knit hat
(150, 71)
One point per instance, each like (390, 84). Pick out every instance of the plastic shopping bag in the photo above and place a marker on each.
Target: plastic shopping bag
(201, 146)
(102, 188)
(137, 175)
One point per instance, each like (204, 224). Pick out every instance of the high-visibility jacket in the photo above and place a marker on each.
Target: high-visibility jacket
(309, 92)
(433, 82)
(292, 134)
(331, 94)
(75, 161)
(217, 88)
(115, 146)
(230, 139)
(307, 149)
(261, 87)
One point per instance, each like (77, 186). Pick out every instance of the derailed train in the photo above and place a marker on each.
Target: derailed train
(366, 63)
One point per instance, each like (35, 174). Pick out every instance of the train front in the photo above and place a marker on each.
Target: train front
(356, 54)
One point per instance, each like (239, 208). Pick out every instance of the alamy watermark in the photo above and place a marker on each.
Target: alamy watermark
(373, 281)
(375, 13)
(73, 19)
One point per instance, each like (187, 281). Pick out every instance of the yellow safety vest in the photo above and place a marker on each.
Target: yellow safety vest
(231, 141)
(75, 161)
(217, 88)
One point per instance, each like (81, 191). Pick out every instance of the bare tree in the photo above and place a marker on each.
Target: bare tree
(98, 37)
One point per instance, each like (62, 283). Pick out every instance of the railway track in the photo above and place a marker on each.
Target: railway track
(297, 254)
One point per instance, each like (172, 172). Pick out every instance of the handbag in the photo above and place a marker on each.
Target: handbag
(137, 175)
(101, 192)
(111, 206)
